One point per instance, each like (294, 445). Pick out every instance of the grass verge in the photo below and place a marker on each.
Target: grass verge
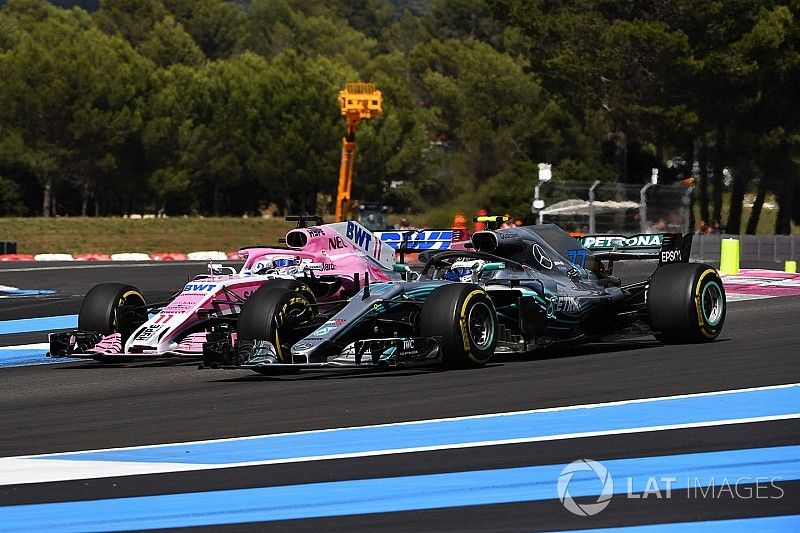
(113, 235)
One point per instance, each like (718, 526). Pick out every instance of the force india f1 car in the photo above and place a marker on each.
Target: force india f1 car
(320, 263)
(513, 290)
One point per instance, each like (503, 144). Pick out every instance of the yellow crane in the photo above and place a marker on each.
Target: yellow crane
(358, 101)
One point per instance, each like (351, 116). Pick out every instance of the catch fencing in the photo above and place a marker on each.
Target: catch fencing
(775, 248)
(605, 207)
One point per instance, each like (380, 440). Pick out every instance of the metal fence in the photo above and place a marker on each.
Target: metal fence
(777, 248)
(603, 207)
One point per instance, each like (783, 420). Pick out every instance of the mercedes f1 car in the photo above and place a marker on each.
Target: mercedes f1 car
(513, 290)
(320, 263)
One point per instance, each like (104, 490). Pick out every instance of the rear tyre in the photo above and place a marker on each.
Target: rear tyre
(274, 314)
(463, 317)
(686, 303)
(112, 308)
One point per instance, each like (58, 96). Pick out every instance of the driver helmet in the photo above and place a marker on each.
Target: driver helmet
(282, 262)
(463, 274)
(463, 271)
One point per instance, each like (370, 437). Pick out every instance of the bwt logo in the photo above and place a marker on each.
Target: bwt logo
(199, 287)
(421, 240)
(585, 465)
(359, 235)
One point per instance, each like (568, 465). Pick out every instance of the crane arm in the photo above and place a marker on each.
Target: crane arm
(358, 101)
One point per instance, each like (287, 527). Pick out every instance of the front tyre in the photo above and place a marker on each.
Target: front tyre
(686, 303)
(112, 308)
(275, 314)
(463, 317)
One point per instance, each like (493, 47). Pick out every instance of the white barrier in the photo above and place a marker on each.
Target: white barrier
(210, 255)
(130, 256)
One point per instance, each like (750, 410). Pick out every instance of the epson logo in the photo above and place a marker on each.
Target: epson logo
(671, 256)
(619, 241)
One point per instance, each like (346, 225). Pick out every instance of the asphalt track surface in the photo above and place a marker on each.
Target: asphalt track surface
(84, 405)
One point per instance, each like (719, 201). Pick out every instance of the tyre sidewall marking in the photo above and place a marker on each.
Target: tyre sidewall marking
(279, 319)
(121, 303)
(700, 319)
(463, 324)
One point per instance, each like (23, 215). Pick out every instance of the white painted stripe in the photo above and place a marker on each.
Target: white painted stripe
(27, 469)
(18, 471)
(729, 297)
(34, 346)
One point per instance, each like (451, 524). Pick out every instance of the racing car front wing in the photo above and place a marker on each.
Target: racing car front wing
(369, 353)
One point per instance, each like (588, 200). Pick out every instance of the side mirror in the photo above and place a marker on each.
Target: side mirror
(401, 268)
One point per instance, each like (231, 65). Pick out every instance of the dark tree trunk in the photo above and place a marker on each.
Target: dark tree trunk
(741, 178)
(703, 181)
(85, 199)
(719, 166)
(47, 196)
(783, 223)
(621, 155)
(755, 214)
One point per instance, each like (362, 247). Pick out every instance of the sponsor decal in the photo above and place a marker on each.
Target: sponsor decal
(315, 231)
(324, 330)
(359, 235)
(336, 243)
(671, 256)
(337, 321)
(541, 257)
(567, 304)
(303, 346)
(620, 241)
(199, 287)
(421, 240)
(148, 332)
(408, 344)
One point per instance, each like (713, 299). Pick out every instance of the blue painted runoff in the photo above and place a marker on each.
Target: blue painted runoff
(537, 424)
(762, 524)
(340, 498)
(27, 357)
(46, 323)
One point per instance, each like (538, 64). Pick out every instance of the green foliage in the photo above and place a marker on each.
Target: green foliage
(226, 107)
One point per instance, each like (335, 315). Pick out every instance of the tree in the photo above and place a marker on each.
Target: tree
(71, 96)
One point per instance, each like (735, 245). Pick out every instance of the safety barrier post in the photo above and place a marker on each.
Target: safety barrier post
(791, 267)
(729, 257)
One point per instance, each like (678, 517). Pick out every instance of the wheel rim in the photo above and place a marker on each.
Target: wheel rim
(286, 329)
(712, 302)
(480, 326)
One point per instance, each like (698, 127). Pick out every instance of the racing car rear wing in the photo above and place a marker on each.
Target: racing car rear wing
(665, 247)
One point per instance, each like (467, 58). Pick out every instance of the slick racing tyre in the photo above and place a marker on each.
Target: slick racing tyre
(686, 303)
(112, 308)
(292, 285)
(273, 313)
(462, 316)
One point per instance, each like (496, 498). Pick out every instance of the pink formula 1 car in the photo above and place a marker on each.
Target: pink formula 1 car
(326, 262)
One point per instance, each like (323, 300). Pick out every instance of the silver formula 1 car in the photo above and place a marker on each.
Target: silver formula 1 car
(512, 290)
